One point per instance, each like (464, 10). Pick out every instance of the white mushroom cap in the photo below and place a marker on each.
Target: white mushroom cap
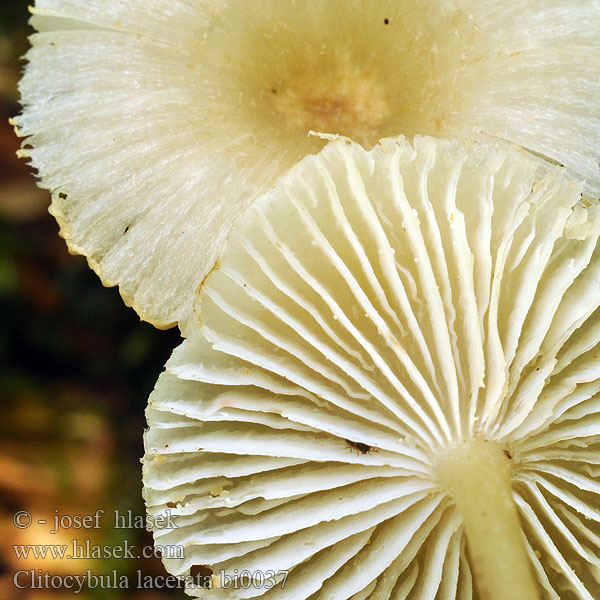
(154, 123)
(371, 314)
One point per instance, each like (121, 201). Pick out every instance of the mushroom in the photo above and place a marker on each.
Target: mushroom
(391, 386)
(156, 123)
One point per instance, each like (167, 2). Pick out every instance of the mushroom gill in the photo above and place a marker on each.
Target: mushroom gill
(391, 386)
(154, 123)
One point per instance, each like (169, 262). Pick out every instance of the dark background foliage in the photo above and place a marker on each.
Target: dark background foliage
(76, 368)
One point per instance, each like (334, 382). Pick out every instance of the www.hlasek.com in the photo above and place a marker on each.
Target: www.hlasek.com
(85, 550)
(36, 579)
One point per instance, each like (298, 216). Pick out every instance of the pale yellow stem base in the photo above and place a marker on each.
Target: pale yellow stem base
(477, 476)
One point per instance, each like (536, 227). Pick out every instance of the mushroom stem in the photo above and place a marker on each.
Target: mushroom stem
(477, 476)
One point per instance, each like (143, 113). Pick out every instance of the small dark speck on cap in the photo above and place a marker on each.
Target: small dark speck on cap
(202, 574)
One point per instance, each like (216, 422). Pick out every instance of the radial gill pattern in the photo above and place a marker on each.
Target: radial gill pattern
(373, 313)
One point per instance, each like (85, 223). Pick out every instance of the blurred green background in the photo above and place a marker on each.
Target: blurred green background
(76, 367)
